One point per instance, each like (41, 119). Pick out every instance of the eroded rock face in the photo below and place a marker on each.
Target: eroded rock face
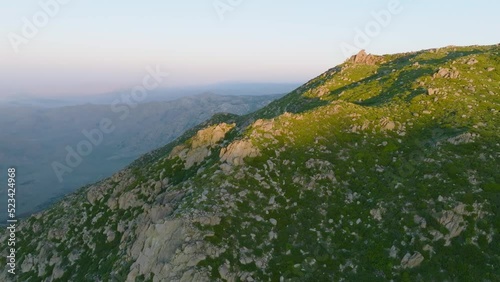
(160, 212)
(211, 135)
(453, 222)
(472, 61)
(196, 156)
(199, 146)
(387, 125)
(171, 250)
(446, 73)
(237, 151)
(129, 200)
(362, 58)
(432, 91)
(412, 260)
(156, 246)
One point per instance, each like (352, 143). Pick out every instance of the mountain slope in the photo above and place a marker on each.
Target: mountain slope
(384, 167)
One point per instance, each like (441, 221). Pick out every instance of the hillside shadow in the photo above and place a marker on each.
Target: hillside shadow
(304, 104)
(450, 56)
(293, 103)
(402, 84)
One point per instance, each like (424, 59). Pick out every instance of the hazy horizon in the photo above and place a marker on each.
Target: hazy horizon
(85, 48)
(161, 94)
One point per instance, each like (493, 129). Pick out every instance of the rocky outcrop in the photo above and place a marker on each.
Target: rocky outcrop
(472, 61)
(265, 125)
(238, 150)
(387, 125)
(211, 136)
(412, 260)
(170, 251)
(454, 222)
(129, 200)
(158, 213)
(432, 91)
(199, 147)
(377, 213)
(154, 249)
(447, 73)
(362, 58)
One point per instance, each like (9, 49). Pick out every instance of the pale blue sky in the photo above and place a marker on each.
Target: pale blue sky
(94, 46)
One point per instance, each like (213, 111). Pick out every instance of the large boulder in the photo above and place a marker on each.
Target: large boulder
(237, 151)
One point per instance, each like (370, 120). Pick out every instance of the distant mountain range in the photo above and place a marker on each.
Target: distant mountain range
(36, 138)
(157, 95)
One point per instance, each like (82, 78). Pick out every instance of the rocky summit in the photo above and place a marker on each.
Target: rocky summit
(382, 168)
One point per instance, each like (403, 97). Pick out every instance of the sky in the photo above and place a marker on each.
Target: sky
(90, 47)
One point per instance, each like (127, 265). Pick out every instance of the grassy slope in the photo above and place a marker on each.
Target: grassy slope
(407, 173)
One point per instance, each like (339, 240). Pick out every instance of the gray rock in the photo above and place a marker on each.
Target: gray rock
(472, 61)
(157, 213)
(237, 151)
(446, 73)
(432, 91)
(412, 261)
(362, 58)
(199, 146)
